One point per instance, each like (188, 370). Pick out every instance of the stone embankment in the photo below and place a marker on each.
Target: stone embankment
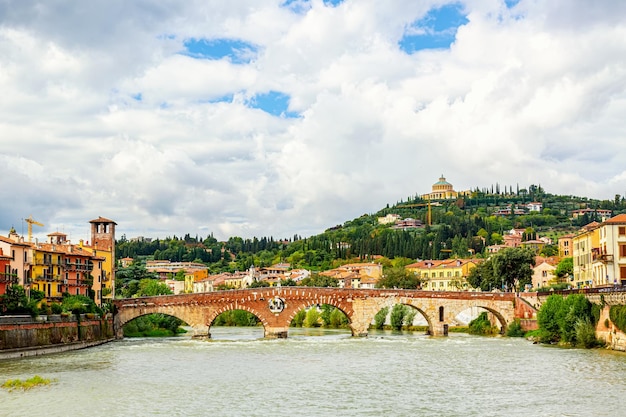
(22, 336)
(605, 330)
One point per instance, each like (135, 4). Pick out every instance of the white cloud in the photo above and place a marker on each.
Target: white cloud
(101, 115)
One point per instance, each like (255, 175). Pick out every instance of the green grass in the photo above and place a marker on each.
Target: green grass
(14, 384)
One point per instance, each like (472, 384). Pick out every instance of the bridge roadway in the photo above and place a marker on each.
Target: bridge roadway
(276, 306)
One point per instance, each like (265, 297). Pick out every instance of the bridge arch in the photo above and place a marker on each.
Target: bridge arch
(183, 314)
(456, 311)
(303, 305)
(229, 307)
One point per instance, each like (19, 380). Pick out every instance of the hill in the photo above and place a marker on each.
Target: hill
(409, 229)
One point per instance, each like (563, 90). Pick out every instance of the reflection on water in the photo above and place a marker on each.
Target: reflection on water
(321, 372)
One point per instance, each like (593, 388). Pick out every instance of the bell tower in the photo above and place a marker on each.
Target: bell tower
(103, 234)
(103, 246)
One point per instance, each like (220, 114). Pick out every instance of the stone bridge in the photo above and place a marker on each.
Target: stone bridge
(276, 306)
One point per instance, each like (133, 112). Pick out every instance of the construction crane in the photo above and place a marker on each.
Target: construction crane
(30, 222)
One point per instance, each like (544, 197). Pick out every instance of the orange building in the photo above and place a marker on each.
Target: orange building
(6, 277)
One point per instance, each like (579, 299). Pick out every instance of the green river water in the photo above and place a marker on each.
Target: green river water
(320, 373)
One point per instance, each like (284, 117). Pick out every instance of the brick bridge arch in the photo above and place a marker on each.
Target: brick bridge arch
(360, 306)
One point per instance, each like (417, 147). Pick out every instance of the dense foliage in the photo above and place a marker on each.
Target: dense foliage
(507, 269)
(398, 277)
(568, 320)
(15, 301)
(482, 326)
(153, 325)
(326, 316)
(236, 318)
(617, 314)
(401, 316)
(461, 228)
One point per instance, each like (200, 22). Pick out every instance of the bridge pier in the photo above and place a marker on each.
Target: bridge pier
(201, 332)
(276, 332)
(439, 329)
(359, 329)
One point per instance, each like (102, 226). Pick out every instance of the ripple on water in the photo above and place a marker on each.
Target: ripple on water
(324, 374)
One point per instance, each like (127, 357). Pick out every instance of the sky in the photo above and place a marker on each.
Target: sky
(284, 117)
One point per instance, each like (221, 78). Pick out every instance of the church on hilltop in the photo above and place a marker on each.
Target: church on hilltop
(442, 190)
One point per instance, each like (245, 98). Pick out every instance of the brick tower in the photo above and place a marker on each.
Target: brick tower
(103, 245)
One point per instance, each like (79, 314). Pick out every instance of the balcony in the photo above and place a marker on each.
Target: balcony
(48, 278)
(8, 278)
(603, 257)
(70, 266)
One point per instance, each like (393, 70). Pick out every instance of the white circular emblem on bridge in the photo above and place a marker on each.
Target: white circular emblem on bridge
(277, 304)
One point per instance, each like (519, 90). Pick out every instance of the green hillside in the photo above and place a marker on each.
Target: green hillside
(458, 228)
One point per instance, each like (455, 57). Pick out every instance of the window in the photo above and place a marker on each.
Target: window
(622, 272)
(622, 251)
(622, 230)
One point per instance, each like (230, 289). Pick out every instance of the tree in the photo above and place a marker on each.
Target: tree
(259, 284)
(312, 318)
(130, 276)
(514, 266)
(481, 325)
(568, 320)
(79, 304)
(14, 300)
(150, 287)
(397, 316)
(380, 318)
(398, 277)
(482, 276)
(317, 280)
(548, 318)
(549, 250)
(565, 268)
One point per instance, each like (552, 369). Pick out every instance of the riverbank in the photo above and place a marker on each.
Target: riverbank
(23, 336)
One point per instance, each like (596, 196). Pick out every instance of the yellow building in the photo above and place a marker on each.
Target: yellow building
(585, 244)
(610, 256)
(446, 275)
(566, 245)
(441, 190)
(58, 267)
(46, 271)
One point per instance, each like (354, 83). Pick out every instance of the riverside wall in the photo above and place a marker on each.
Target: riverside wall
(605, 330)
(22, 336)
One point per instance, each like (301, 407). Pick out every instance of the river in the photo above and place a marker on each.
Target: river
(320, 373)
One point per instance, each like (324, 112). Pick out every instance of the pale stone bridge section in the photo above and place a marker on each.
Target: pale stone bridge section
(276, 306)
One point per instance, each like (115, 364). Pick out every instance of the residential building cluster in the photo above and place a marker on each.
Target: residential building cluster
(599, 253)
(57, 266)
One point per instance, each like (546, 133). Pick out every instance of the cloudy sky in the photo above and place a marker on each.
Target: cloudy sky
(281, 117)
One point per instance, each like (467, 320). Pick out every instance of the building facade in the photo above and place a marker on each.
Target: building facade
(599, 254)
(445, 275)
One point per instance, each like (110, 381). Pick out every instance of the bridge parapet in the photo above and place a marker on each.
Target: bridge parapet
(603, 296)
